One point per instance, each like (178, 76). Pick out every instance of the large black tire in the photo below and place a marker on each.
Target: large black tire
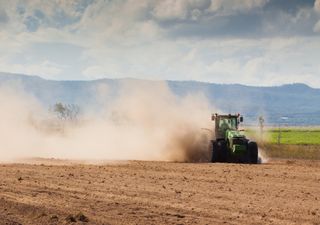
(253, 152)
(219, 151)
(214, 151)
(223, 151)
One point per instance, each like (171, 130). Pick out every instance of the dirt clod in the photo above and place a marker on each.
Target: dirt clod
(54, 218)
(81, 217)
(71, 219)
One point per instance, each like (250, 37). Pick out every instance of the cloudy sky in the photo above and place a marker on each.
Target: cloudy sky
(254, 42)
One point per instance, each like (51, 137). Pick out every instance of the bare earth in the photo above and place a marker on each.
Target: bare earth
(139, 192)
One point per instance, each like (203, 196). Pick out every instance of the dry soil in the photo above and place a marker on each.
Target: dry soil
(142, 192)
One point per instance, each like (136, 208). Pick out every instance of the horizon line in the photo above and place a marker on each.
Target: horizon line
(152, 80)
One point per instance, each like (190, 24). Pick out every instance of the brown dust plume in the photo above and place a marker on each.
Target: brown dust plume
(145, 121)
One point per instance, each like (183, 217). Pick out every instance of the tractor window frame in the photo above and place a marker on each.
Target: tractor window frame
(231, 121)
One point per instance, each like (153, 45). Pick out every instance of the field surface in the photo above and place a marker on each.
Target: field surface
(138, 192)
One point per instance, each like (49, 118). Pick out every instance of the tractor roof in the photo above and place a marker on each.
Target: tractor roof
(227, 115)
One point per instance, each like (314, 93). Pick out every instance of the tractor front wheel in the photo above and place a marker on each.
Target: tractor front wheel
(214, 151)
(219, 151)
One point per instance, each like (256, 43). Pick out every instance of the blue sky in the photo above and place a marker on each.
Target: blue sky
(253, 42)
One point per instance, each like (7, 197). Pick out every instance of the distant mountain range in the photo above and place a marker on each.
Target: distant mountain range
(293, 104)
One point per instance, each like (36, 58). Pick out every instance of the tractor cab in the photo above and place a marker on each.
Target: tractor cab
(224, 123)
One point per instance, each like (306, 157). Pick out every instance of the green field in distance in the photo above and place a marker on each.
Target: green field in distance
(291, 136)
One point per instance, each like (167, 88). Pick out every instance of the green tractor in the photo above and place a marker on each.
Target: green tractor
(229, 145)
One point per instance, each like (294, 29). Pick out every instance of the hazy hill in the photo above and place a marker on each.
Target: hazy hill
(299, 102)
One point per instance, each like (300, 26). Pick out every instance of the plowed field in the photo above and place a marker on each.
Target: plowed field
(142, 192)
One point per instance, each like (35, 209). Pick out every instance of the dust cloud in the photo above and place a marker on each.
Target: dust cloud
(144, 121)
(263, 158)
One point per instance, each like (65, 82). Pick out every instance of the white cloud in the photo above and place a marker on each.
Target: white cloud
(45, 69)
(179, 9)
(224, 66)
(316, 27)
(279, 61)
(132, 38)
(317, 5)
(42, 13)
(171, 9)
(95, 72)
(231, 6)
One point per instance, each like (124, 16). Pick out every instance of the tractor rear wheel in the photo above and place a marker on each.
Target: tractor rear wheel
(253, 152)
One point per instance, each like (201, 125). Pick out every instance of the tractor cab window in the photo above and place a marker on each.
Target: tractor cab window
(228, 123)
(233, 122)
